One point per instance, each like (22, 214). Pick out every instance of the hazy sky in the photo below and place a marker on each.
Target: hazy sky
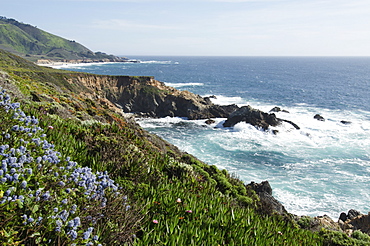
(204, 27)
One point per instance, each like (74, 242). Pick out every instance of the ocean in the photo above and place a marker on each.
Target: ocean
(323, 168)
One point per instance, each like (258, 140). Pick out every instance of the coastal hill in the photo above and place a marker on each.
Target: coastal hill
(77, 169)
(37, 45)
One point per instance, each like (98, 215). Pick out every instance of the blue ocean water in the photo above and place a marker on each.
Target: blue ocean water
(323, 168)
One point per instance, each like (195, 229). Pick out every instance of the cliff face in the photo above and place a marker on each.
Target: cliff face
(149, 97)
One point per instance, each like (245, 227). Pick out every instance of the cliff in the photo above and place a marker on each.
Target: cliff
(149, 97)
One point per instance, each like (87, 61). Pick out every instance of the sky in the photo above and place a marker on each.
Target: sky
(204, 27)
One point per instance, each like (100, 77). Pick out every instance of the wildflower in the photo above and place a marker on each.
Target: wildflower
(63, 215)
(87, 233)
(280, 233)
(51, 127)
(72, 234)
(178, 200)
(73, 209)
(30, 220)
(96, 237)
(155, 221)
(65, 201)
(46, 196)
(188, 211)
(77, 221)
(24, 184)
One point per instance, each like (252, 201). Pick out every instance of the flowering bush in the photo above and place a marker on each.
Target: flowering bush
(47, 199)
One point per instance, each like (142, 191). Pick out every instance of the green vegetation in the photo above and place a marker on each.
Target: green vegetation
(79, 173)
(32, 43)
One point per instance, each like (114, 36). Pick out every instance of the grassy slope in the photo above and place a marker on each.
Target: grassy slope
(214, 207)
(25, 39)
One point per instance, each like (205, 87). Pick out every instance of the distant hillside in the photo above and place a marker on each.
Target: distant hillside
(35, 44)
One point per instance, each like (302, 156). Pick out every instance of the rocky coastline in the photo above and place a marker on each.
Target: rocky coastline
(147, 97)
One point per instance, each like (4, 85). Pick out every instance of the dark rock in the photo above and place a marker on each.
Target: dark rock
(343, 217)
(269, 203)
(361, 222)
(275, 109)
(149, 96)
(345, 122)
(213, 97)
(209, 122)
(292, 123)
(319, 117)
(350, 215)
(353, 214)
(275, 132)
(252, 116)
(278, 109)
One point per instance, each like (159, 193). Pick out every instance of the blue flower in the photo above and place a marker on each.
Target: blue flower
(72, 234)
(77, 221)
(87, 233)
(24, 184)
(46, 196)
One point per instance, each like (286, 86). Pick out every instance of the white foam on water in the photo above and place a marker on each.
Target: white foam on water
(322, 168)
(167, 122)
(224, 100)
(179, 85)
(61, 65)
(156, 62)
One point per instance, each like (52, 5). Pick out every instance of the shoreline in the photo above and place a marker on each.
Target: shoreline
(71, 64)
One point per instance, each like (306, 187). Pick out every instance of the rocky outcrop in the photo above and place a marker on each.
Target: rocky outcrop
(256, 118)
(353, 221)
(149, 97)
(252, 116)
(269, 203)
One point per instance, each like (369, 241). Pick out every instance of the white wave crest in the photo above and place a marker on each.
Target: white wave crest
(178, 85)
(156, 62)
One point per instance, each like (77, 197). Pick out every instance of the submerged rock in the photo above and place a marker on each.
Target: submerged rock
(345, 122)
(278, 109)
(319, 117)
(209, 121)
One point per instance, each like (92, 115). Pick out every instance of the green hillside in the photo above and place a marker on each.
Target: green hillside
(32, 43)
(76, 172)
